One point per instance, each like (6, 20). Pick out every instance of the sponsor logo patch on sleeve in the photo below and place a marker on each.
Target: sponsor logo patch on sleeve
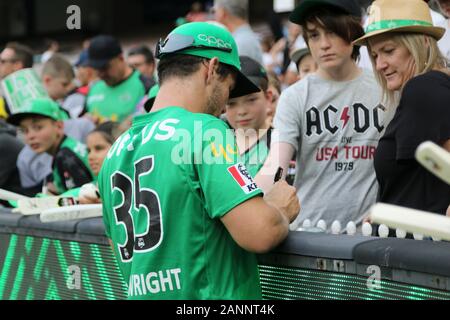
(242, 178)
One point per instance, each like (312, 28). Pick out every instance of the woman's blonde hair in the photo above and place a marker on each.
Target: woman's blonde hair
(426, 56)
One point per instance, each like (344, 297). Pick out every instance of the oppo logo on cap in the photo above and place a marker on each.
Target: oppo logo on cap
(211, 40)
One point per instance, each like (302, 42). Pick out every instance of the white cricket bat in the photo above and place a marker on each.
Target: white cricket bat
(79, 211)
(32, 206)
(435, 159)
(10, 196)
(411, 220)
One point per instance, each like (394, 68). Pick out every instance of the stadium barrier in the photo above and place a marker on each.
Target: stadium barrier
(72, 260)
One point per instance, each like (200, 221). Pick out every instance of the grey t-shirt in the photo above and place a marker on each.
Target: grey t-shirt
(335, 128)
(74, 104)
(248, 43)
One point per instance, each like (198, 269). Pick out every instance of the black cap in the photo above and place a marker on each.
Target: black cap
(254, 71)
(345, 6)
(102, 49)
(298, 55)
(83, 59)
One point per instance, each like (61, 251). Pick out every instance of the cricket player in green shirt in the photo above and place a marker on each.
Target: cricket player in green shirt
(184, 216)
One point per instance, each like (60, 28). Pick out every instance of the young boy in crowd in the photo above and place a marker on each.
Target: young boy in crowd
(57, 77)
(304, 62)
(40, 120)
(332, 119)
(248, 114)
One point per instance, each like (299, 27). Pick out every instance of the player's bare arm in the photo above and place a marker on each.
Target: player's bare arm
(258, 225)
(279, 156)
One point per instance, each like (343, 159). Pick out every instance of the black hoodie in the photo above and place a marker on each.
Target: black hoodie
(10, 147)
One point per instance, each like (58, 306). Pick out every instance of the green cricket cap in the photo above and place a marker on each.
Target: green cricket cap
(209, 41)
(42, 107)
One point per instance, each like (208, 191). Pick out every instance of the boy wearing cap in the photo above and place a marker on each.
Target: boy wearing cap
(41, 123)
(196, 212)
(121, 88)
(247, 115)
(304, 61)
(332, 119)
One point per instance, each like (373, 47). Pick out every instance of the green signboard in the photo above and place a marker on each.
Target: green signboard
(22, 86)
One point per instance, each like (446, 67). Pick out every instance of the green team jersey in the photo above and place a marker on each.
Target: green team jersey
(255, 157)
(70, 165)
(118, 102)
(165, 184)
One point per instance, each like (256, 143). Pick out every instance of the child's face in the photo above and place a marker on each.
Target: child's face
(307, 65)
(42, 134)
(98, 148)
(57, 87)
(248, 112)
(328, 49)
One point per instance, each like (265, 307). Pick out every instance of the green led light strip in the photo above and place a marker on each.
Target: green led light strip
(293, 283)
(37, 268)
(4, 274)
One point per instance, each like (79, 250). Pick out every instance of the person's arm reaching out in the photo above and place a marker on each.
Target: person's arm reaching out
(279, 156)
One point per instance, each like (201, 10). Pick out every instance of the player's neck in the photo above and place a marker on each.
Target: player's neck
(55, 147)
(168, 97)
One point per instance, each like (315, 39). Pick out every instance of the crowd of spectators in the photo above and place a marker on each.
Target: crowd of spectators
(109, 84)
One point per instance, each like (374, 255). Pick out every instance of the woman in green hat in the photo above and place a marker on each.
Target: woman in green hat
(414, 75)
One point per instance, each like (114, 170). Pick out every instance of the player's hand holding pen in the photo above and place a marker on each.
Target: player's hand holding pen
(283, 197)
